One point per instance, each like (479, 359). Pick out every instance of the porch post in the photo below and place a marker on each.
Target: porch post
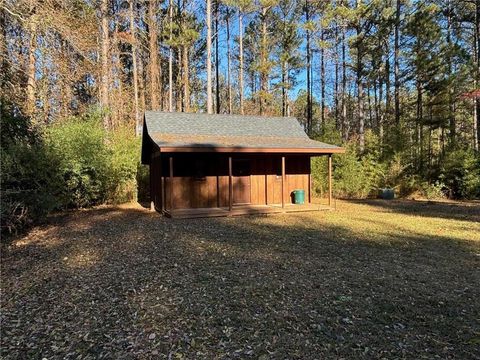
(162, 185)
(171, 182)
(329, 179)
(309, 180)
(283, 181)
(230, 184)
(152, 183)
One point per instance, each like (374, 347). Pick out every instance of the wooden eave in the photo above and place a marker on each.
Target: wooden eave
(209, 149)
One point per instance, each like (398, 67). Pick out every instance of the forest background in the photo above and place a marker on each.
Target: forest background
(394, 81)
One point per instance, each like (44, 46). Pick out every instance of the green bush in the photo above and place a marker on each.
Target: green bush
(351, 179)
(124, 165)
(81, 145)
(97, 166)
(30, 183)
(461, 174)
(354, 176)
(72, 164)
(433, 191)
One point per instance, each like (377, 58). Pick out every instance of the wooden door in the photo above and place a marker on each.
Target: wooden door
(241, 181)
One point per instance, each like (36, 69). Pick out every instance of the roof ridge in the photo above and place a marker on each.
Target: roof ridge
(219, 115)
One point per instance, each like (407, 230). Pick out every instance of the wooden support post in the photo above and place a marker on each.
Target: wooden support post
(171, 182)
(329, 179)
(218, 190)
(309, 180)
(162, 185)
(230, 184)
(266, 189)
(309, 188)
(153, 188)
(163, 198)
(283, 181)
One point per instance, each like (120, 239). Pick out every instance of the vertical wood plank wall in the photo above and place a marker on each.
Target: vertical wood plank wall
(212, 191)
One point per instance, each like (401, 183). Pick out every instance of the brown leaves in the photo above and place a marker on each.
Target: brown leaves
(126, 283)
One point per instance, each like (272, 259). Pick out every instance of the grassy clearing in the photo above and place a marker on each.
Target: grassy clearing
(373, 279)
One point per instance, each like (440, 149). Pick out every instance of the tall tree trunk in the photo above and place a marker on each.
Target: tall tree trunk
(31, 70)
(186, 82)
(141, 84)
(451, 105)
(135, 69)
(105, 44)
(287, 81)
(380, 112)
(170, 57)
(229, 69)
(476, 102)
(284, 92)
(240, 49)
(360, 95)
(217, 61)
(263, 61)
(209, 57)
(375, 104)
(179, 81)
(475, 122)
(396, 63)
(420, 125)
(360, 109)
(66, 82)
(388, 97)
(370, 107)
(335, 94)
(308, 55)
(322, 80)
(429, 151)
(154, 67)
(117, 105)
(345, 120)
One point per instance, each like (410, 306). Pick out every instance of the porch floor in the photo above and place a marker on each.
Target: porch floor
(243, 210)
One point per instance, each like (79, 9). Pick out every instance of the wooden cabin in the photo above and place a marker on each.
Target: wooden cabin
(220, 165)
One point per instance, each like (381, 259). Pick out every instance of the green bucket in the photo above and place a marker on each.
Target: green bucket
(299, 196)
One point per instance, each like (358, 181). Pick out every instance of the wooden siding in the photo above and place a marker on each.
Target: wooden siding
(191, 191)
(155, 181)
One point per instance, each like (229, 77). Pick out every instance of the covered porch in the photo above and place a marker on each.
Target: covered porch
(232, 208)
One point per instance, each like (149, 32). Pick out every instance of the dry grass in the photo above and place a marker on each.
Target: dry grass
(371, 280)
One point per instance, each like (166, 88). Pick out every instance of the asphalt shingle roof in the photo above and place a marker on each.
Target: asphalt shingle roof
(170, 129)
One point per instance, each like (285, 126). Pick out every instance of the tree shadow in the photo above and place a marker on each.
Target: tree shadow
(467, 211)
(128, 283)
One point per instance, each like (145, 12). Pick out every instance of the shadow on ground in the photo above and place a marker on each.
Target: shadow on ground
(468, 211)
(127, 283)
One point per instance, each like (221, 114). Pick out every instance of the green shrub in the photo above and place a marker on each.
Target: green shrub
(433, 191)
(97, 166)
(394, 172)
(123, 165)
(30, 183)
(354, 176)
(461, 174)
(72, 164)
(85, 159)
(350, 175)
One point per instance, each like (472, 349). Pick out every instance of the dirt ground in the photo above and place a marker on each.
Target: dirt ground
(373, 279)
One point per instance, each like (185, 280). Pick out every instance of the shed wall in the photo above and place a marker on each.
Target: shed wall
(202, 181)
